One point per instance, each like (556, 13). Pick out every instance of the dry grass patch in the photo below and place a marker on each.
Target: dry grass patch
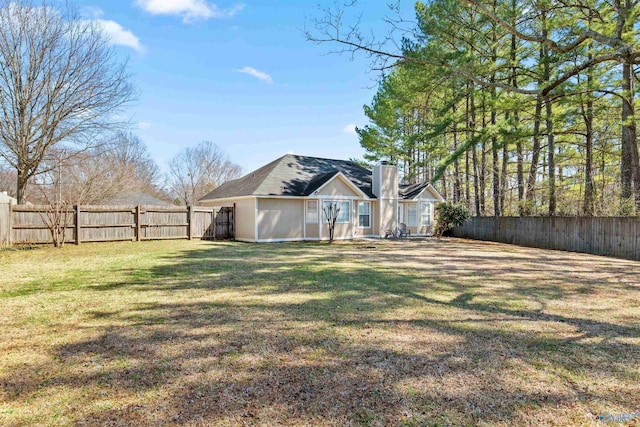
(416, 332)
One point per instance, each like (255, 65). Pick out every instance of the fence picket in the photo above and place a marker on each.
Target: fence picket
(611, 236)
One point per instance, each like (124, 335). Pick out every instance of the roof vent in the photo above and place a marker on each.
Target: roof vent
(384, 163)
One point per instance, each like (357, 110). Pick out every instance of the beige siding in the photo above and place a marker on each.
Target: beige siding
(245, 216)
(280, 219)
(389, 182)
(245, 219)
(419, 228)
(387, 215)
(375, 221)
(337, 187)
(342, 231)
(313, 231)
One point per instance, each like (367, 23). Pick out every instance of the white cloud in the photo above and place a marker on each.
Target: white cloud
(261, 75)
(114, 31)
(188, 10)
(350, 129)
(144, 125)
(119, 36)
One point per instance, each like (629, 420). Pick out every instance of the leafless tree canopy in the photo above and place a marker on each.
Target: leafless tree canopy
(7, 179)
(196, 171)
(60, 84)
(117, 167)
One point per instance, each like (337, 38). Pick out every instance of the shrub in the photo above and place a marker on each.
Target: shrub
(450, 215)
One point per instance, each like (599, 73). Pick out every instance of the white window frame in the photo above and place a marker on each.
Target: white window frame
(338, 202)
(317, 213)
(426, 205)
(368, 214)
(414, 207)
(400, 213)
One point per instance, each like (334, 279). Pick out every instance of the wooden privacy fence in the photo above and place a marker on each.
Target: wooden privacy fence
(20, 224)
(611, 236)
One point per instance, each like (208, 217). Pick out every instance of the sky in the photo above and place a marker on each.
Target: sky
(240, 74)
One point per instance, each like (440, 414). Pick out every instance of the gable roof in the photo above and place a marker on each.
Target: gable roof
(411, 191)
(293, 175)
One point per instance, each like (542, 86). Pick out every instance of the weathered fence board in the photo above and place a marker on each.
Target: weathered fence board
(28, 223)
(611, 236)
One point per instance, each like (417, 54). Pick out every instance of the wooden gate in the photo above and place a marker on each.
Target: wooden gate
(224, 223)
(213, 223)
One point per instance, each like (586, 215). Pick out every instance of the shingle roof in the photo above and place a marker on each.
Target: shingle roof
(411, 190)
(293, 175)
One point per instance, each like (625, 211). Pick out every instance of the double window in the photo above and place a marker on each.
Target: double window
(343, 209)
(364, 214)
(425, 214)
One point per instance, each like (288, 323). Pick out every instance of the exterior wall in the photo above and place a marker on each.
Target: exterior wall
(389, 182)
(337, 187)
(418, 229)
(385, 187)
(342, 230)
(245, 216)
(387, 215)
(375, 220)
(280, 219)
(245, 219)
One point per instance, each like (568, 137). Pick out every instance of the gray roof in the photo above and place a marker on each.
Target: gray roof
(293, 175)
(137, 198)
(412, 190)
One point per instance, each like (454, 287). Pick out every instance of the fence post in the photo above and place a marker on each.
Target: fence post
(138, 224)
(189, 222)
(77, 223)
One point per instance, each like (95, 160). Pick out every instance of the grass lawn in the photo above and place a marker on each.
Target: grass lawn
(420, 332)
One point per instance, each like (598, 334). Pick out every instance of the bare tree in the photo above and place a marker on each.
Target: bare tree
(95, 176)
(7, 179)
(196, 171)
(331, 212)
(60, 84)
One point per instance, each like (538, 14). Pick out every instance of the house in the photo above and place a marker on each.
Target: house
(285, 200)
(136, 197)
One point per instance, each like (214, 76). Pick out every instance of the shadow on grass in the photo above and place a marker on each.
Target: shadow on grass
(311, 334)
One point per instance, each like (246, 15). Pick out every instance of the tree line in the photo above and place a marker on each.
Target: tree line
(63, 93)
(510, 107)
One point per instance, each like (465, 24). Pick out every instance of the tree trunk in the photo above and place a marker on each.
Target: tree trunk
(551, 157)
(21, 185)
(516, 118)
(535, 158)
(456, 162)
(629, 154)
(474, 153)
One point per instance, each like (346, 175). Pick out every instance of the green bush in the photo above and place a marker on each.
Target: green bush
(450, 215)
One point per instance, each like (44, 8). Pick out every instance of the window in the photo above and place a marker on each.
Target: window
(412, 215)
(312, 211)
(343, 212)
(425, 213)
(364, 214)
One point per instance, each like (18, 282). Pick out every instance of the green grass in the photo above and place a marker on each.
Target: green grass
(421, 332)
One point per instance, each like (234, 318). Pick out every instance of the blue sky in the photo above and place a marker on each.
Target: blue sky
(239, 74)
